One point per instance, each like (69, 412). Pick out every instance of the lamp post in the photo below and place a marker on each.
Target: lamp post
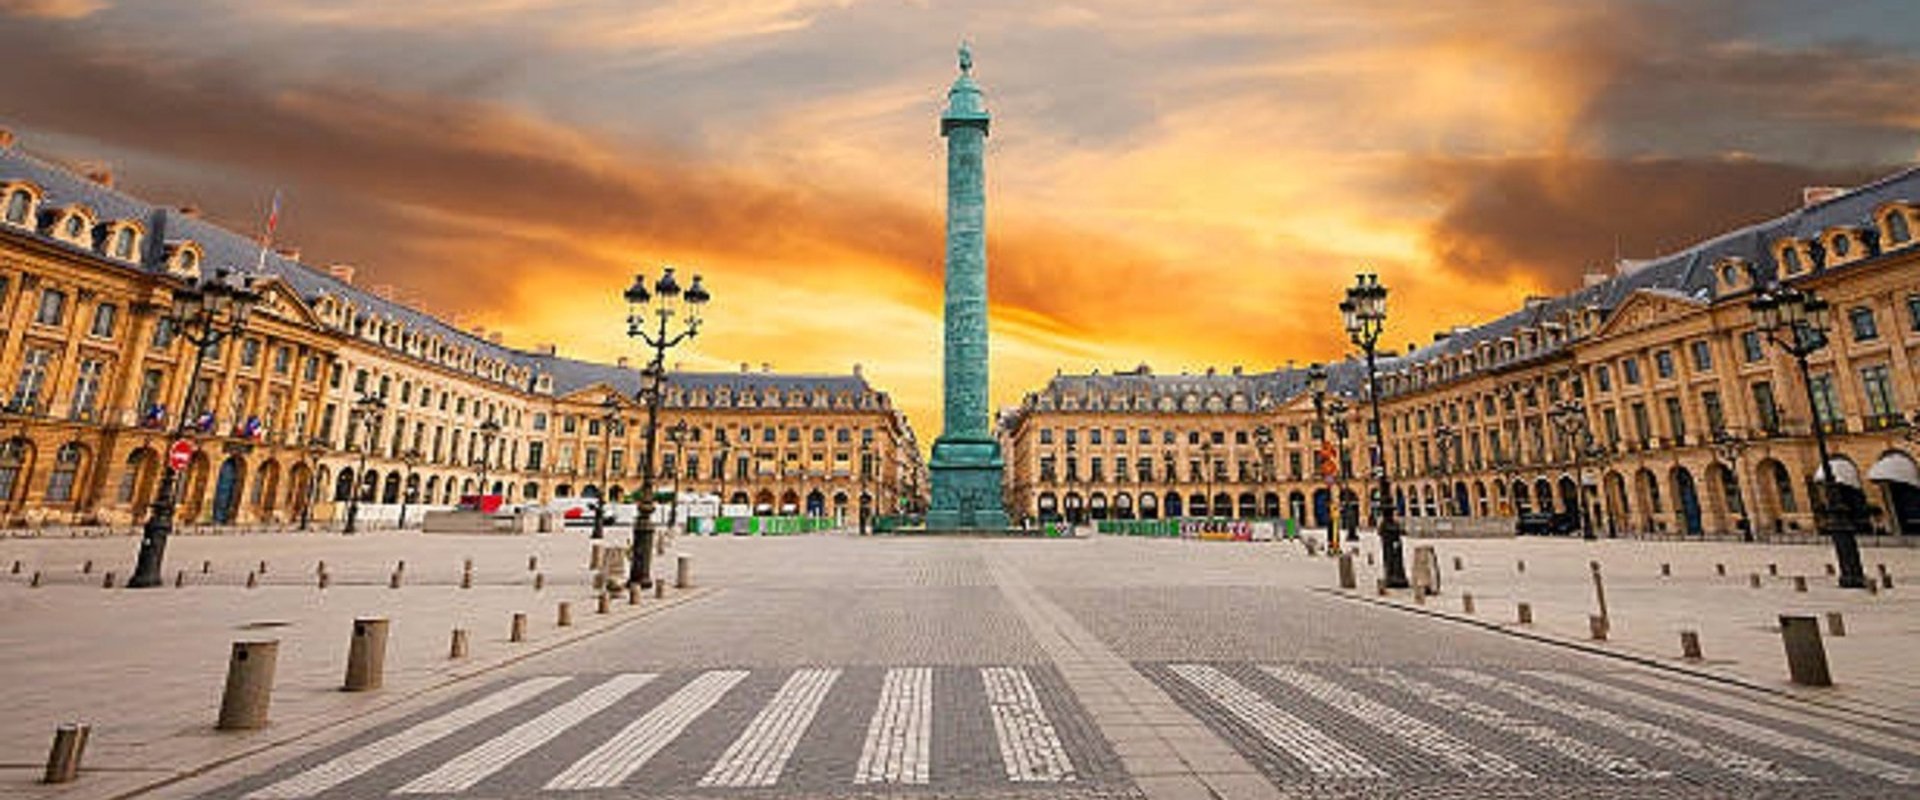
(668, 304)
(611, 409)
(866, 467)
(1364, 313)
(366, 411)
(1263, 444)
(1569, 417)
(411, 458)
(489, 431)
(1447, 439)
(1206, 470)
(1349, 512)
(315, 447)
(677, 433)
(1797, 322)
(1325, 461)
(726, 457)
(1729, 446)
(205, 311)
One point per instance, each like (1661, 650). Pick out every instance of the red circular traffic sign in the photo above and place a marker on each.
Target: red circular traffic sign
(179, 454)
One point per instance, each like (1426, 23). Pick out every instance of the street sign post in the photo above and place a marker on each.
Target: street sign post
(179, 454)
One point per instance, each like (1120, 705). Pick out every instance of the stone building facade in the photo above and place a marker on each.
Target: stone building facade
(1675, 415)
(94, 381)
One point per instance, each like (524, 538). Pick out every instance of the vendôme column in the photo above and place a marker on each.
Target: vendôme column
(966, 464)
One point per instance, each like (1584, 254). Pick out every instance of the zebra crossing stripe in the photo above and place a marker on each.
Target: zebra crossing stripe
(475, 765)
(899, 736)
(1321, 754)
(630, 749)
(1733, 761)
(1415, 733)
(1029, 747)
(359, 761)
(1866, 736)
(1587, 754)
(1847, 759)
(760, 754)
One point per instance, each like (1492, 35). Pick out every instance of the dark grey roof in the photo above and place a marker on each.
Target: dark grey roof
(572, 374)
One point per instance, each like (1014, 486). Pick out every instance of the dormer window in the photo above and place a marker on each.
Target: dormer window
(20, 203)
(123, 243)
(73, 228)
(1791, 264)
(1896, 227)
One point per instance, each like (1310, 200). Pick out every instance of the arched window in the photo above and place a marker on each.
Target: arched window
(123, 244)
(19, 206)
(1898, 231)
(75, 226)
(66, 465)
(1842, 245)
(1789, 260)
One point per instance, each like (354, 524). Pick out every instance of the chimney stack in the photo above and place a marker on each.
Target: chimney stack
(743, 367)
(342, 273)
(547, 349)
(766, 366)
(100, 174)
(287, 252)
(496, 337)
(621, 362)
(6, 138)
(856, 369)
(1815, 195)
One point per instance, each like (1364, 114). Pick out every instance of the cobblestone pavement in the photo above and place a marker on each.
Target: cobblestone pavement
(836, 666)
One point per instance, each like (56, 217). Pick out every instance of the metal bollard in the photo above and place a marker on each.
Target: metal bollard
(467, 565)
(1458, 564)
(459, 647)
(519, 631)
(1886, 581)
(34, 582)
(1830, 570)
(539, 581)
(1799, 583)
(367, 655)
(1599, 588)
(263, 566)
(1597, 627)
(602, 603)
(243, 706)
(321, 569)
(17, 566)
(400, 567)
(1773, 570)
(253, 579)
(659, 589)
(206, 567)
(1753, 579)
(179, 578)
(1348, 579)
(1524, 613)
(87, 568)
(393, 581)
(683, 572)
(325, 580)
(533, 563)
(1521, 565)
(564, 618)
(1690, 645)
(1836, 624)
(69, 744)
(1873, 586)
(1666, 570)
(1466, 602)
(107, 581)
(1720, 570)
(466, 579)
(1806, 654)
(633, 594)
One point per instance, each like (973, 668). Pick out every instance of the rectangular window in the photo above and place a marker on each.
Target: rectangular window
(1630, 369)
(149, 389)
(1865, 328)
(1765, 408)
(282, 360)
(311, 369)
(535, 451)
(1093, 436)
(1610, 423)
(1913, 312)
(1826, 408)
(33, 378)
(1642, 427)
(53, 307)
(1663, 364)
(1879, 392)
(1601, 376)
(539, 421)
(1119, 435)
(1702, 356)
(568, 423)
(1046, 436)
(163, 333)
(1752, 347)
(250, 353)
(86, 387)
(1716, 414)
(360, 382)
(104, 317)
(1676, 421)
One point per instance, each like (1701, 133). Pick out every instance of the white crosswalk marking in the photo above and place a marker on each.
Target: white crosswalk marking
(630, 749)
(475, 765)
(360, 760)
(1319, 753)
(1414, 732)
(900, 734)
(1732, 761)
(1585, 753)
(1029, 747)
(761, 753)
(1866, 736)
(1742, 729)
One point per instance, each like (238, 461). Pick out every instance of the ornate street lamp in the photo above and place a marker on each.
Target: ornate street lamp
(866, 467)
(1797, 322)
(669, 305)
(205, 311)
(1364, 313)
(489, 432)
(366, 411)
(677, 433)
(1263, 444)
(1569, 417)
(726, 457)
(316, 447)
(1206, 469)
(1325, 463)
(610, 414)
(1729, 446)
(1349, 511)
(411, 458)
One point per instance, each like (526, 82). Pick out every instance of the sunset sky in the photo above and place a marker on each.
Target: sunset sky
(1186, 184)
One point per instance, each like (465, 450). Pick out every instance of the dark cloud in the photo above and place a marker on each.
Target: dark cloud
(1554, 219)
